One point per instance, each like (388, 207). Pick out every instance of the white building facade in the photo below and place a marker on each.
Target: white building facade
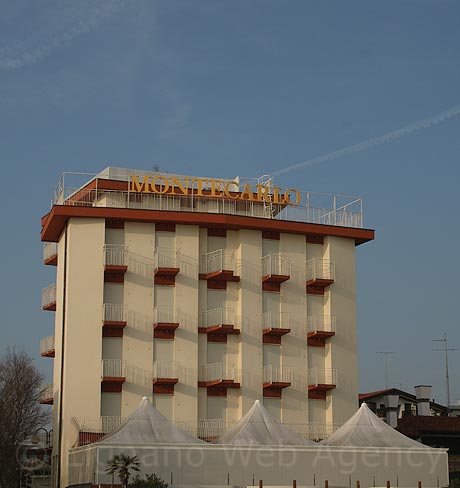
(204, 295)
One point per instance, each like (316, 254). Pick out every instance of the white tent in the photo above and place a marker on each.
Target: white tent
(365, 429)
(146, 425)
(260, 428)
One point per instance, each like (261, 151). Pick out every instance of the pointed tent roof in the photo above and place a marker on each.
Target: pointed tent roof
(260, 428)
(146, 425)
(365, 429)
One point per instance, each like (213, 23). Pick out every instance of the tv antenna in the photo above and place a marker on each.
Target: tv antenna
(446, 352)
(386, 354)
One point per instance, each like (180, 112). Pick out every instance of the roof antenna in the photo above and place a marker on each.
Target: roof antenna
(386, 353)
(155, 168)
(445, 349)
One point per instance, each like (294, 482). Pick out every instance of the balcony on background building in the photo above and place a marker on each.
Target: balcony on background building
(320, 273)
(47, 347)
(219, 267)
(218, 377)
(46, 395)
(49, 297)
(113, 375)
(274, 326)
(218, 324)
(115, 263)
(114, 319)
(320, 381)
(91, 430)
(166, 266)
(165, 322)
(165, 376)
(320, 328)
(276, 269)
(50, 253)
(275, 379)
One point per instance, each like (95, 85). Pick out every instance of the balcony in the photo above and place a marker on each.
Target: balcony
(275, 379)
(90, 431)
(274, 326)
(113, 375)
(218, 324)
(165, 322)
(218, 377)
(166, 267)
(115, 263)
(320, 328)
(47, 347)
(276, 269)
(320, 273)
(114, 319)
(49, 298)
(50, 253)
(46, 395)
(320, 381)
(165, 376)
(219, 267)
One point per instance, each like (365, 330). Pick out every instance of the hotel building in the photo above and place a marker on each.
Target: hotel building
(203, 294)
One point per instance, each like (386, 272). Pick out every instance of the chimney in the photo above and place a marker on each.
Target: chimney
(392, 409)
(423, 394)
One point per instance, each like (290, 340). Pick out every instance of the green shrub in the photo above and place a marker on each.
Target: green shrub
(150, 481)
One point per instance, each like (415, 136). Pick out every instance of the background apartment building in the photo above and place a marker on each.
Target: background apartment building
(205, 296)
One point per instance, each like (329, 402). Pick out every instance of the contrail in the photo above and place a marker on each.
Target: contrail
(377, 141)
(62, 26)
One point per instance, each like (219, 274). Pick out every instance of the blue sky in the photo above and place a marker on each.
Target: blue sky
(225, 88)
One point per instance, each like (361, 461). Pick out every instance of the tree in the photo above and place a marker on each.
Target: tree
(150, 481)
(20, 412)
(123, 464)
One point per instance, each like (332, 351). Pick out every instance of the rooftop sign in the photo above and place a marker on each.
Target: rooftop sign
(212, 188)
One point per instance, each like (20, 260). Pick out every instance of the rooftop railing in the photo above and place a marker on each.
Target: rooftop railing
(318, 208)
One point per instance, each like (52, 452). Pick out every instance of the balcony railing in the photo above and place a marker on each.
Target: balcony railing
(115, 255)
(165, 258)
(219, 316)
(47, 347)
(165, 369)
(114, 312)
(113, 368)
(276, 264)
(277, 374)
(326, 376)
(49, 297)
(273, 320)
(218, 261)
(219, 372)
(46, 394)
(50, 251)
(91, 430)
(321, 323)
(166, 314)
(320, 269)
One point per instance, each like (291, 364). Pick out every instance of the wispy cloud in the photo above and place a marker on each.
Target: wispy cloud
(65, 22)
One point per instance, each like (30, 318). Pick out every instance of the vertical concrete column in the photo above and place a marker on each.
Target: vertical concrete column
(249, 307)
(391, 409)
(138, 298)
(186, 340)
(83, 328)
(341, 350)
(294, 345)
